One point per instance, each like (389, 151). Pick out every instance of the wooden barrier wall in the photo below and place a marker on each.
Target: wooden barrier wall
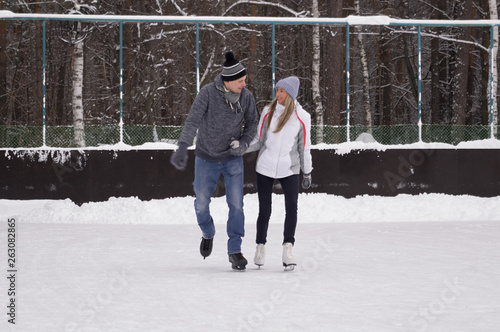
(96, 175)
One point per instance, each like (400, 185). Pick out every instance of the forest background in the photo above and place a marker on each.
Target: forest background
(159, 60)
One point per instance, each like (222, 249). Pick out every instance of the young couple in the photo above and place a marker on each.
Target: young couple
(223, 118)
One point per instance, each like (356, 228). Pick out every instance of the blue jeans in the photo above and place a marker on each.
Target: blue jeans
(206, 175)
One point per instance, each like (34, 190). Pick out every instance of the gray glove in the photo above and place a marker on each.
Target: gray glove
(238, 148)
(180, 157)
(306, 181)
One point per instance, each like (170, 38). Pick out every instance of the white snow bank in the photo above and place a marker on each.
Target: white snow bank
(313, 208)
(342, 148)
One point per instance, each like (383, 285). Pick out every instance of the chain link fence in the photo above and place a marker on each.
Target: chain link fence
(134, 135)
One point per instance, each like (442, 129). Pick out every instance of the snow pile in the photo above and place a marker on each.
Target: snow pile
(313, 208)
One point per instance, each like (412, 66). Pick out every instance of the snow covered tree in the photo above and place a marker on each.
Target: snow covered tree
(494, 64)
(3, 64)
(75, 34)
(77, 99)
(316, 93)
(365, 71)
(159, 63)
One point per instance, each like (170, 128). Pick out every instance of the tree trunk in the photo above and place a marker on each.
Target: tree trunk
(77, 99)
(335, 74)
(439, 69)
(461, 72)
(366, 76)
(253, 48)
(3, 65)
(316, 93)
(436, 88)
(492, 102)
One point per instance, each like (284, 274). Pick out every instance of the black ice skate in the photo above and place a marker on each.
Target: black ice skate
(238, 261)
(206, 247)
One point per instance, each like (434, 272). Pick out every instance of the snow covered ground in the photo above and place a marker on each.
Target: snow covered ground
(407, 263)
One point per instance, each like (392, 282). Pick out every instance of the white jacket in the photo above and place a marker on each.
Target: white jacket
(288, 151)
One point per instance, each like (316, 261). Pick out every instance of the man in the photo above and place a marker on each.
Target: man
(224, 118)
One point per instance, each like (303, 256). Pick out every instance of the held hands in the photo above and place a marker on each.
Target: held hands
(180, 157)
(238, 148)
(306, 181)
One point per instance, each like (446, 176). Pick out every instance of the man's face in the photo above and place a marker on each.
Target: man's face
(237, 85)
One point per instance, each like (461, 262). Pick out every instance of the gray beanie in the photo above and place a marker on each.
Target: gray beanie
(290, 85)
(232, 69)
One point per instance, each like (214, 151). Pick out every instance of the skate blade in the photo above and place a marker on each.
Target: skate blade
(289, 267)
(239, 268)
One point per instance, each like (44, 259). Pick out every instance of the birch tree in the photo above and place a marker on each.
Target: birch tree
(77, 35)
(318, 106)
(77, 97)
(366, 77)
(492, 102)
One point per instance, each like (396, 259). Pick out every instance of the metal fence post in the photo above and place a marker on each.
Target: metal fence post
(273, 59)
(197, 57)
(348, 68)
(44, 128)
(419, 83)
(491, 92)
(121, 81)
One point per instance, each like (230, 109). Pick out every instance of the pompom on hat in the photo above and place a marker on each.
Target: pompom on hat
(232, 69)
(290, 85)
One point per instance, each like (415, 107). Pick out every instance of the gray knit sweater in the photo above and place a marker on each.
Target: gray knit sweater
(217, 123)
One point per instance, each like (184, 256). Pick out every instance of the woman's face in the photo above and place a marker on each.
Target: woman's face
(281, 95)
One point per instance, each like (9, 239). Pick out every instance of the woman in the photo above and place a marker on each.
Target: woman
(283, 140)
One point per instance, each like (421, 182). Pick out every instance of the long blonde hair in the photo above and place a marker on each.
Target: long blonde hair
(289, 108)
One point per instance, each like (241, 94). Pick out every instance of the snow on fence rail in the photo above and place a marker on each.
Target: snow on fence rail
(273, 21)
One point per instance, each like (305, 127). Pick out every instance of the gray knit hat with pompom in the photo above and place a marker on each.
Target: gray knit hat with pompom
(232, 69)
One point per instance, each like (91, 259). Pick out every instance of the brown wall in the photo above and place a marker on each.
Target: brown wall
(91, 175)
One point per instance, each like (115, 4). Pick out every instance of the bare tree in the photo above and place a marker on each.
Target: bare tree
(334, 69)
(3, 65)
(76, 35)
(494, 70)
(77, 99)
(159, 64)
(365, 71)
(318, 109)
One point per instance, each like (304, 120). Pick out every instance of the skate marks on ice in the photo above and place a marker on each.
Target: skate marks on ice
(386, 276)
(374, 277)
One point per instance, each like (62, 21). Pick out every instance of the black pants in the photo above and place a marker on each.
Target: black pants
(290, 187)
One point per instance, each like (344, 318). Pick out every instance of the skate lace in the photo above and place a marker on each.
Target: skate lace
(260, 252)
(206, 244)
(288, 252)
